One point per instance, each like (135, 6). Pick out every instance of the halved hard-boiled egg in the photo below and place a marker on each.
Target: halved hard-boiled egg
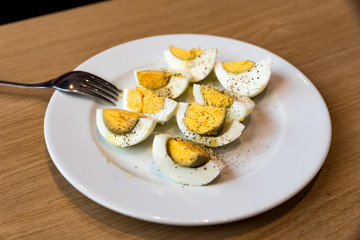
(199, 63)
(149, 103)
(123, 128)
(244, 77)
(238, 107)
(165, 82)
(184, 161)
(207, 125)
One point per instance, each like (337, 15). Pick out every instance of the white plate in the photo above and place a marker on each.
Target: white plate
(283, 146)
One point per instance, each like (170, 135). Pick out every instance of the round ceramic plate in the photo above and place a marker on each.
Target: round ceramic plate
(283, 146)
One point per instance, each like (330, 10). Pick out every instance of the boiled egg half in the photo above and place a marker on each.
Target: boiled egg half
(123, 128)
(165, 82)
(149, 103)
(207, 125)
(238, 107)
(199, 63)
(246, 78)
(184, 161)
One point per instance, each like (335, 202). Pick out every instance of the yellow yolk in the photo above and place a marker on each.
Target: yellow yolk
(152, 103)
(153, 79)
(120, 121)
(186, 153)
(144, 101)
(238, 66)
(215, 97)
(135, 100)
(204, 120)
(185, 54)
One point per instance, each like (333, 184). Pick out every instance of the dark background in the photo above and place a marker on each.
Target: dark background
(12, 11)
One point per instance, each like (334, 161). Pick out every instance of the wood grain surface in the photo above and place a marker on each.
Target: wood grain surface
(321, 38)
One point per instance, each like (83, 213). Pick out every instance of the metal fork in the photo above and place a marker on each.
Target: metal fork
(77, 82)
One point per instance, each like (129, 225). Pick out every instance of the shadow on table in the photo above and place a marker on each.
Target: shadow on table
(16, 93)
(11, 12)
(128, 225)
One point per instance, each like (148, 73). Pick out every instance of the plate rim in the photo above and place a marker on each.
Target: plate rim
(172, 222)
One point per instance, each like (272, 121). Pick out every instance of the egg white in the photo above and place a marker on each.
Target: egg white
(199, 68)
(162, 116)
(176, 85)
(249, 83)
(190, 176)
(231, 130)
(239, 110)
(143, 128)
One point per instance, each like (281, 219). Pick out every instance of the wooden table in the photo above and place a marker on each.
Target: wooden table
(321, 38)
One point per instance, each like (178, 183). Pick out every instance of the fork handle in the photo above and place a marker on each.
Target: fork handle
(27, 85)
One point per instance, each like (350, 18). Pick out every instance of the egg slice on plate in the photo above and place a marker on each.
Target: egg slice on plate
(207, 125)
(149, 103)
(238, 107)
(184, 161)
(165, 82)
(123, 128)
(244, 77)
(199, 63)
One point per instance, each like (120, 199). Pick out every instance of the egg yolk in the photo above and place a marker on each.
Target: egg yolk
(186, 153)
(135, 100)
(185, 54)
(120, 121)
(216, 97)
(204, 120)
(144, 101)
(238, 66)
(153, 79)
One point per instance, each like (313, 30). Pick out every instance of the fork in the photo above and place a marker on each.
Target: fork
(79, 82)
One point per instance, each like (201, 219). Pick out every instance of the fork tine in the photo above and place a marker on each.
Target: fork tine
(102, 83)
(92, 93)
(101, 88)
(94, 88)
